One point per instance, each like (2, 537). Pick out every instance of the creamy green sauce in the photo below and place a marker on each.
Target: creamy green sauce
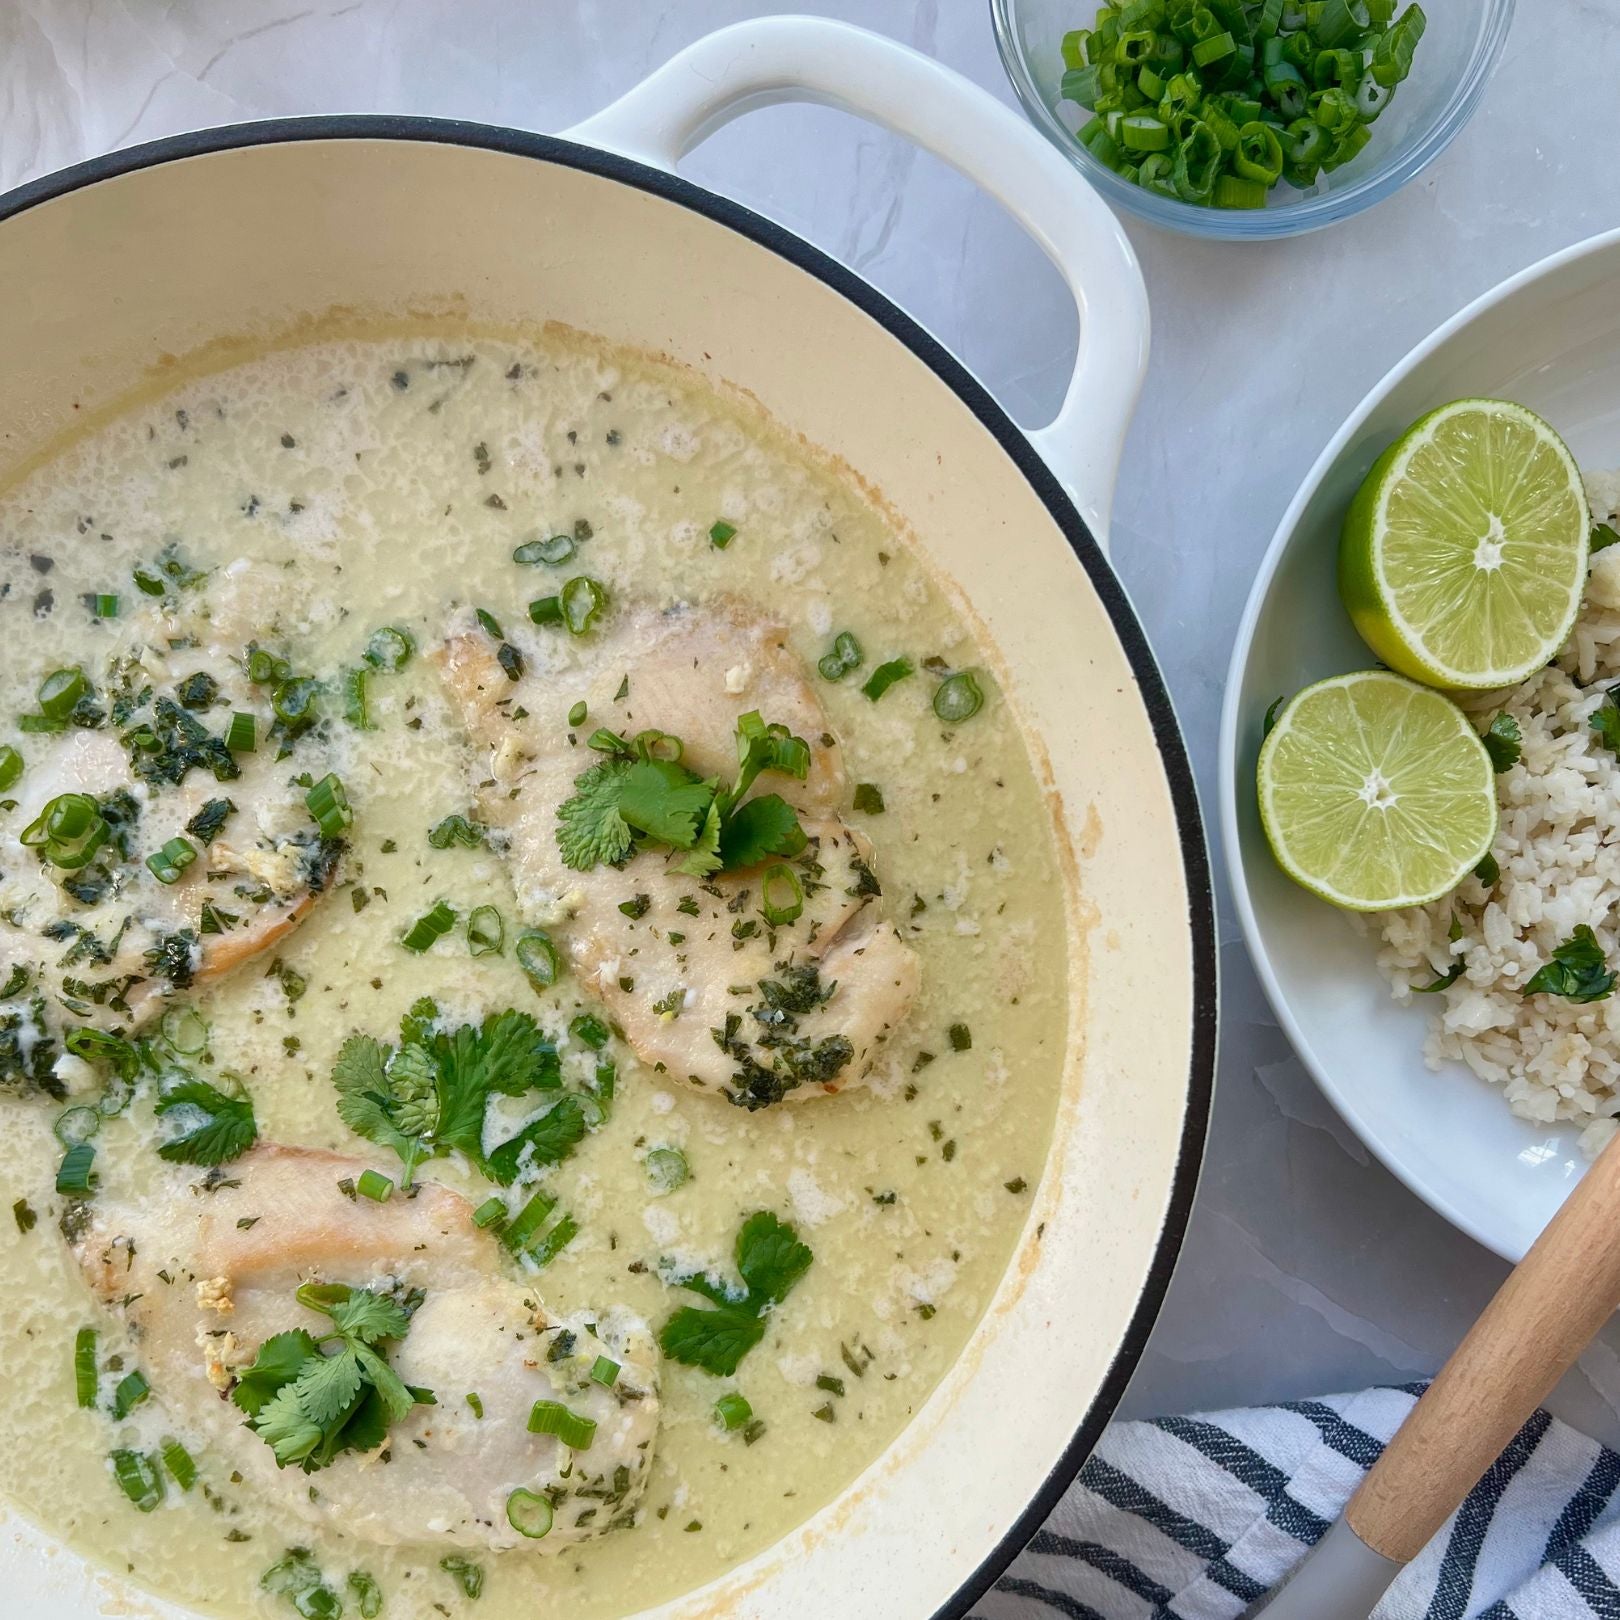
(387, 482)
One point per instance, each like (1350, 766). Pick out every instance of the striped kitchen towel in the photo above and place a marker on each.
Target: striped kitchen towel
(1193, 1518)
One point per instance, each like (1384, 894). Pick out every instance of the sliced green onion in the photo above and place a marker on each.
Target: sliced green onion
(466, 1574)
(1341, 21)
(168, 864)
(582, 600)
(554, 550)
(131, 1391)
(1142, 132)
(605, 1371)
(590, 1031)
(554, 1242)
(374, 1185)
(179, 1462)
(885, 675)
(667, 1169)
(73, 1178)
(356, 708)
(486, 931)
(263, 666)
(538, 958)
(11, 767)
(293, 701)
(86, 1377)
(1350, 142)
(68, 831)
(721, 534)
(105, 605)
(242, 733)
(389, 648)
(958, 697)
(552, 1417)
(781, 895)
(1232, 192)
(491, 625)
(36, 724)
(845, 655)
(546, 610)
(76, 1125)
(184, 1031)
(139, 1479)
(329, 804)
(430, 928)
(455, 830)
(488, 1213)
(577, 713)
(529, 1514)
(476, 1402)
(732, 1412)
(1259, 154)
(367, 1594)
(60, 690)
(527, 1222)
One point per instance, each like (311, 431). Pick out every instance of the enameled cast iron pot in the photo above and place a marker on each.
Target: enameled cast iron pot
(115, 265)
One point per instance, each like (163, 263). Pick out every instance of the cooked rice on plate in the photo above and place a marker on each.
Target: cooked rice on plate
(1558, 847)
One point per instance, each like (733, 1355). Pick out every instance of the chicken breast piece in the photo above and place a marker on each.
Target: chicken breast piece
(105, 944)
(704, 987)
(202, 1281)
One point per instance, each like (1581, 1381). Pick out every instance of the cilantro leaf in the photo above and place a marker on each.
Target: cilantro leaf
(552, 1137)
(278, 1362)
(1605, 721)
(287, 1428)
(396, 1398)
(1575, 971)
(763, 827)
(327, 1385)
(369, 1317)
(1443, 982)
(218, 1128)
(770, 1257)
(590, 830)
(665, 801)
(714, 1340)
(704, 857)
(1502, 739)
(361, 1077)
(1603, 536)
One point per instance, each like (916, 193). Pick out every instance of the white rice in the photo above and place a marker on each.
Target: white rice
(1559, 850)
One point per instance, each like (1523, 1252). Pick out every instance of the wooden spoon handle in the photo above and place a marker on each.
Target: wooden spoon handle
(1541, 1319)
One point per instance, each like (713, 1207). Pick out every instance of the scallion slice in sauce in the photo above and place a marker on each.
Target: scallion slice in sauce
(845, 655)
(529, 1514)
(486, 931)
(73, 1178)
(106, 605)
(86, 1378)
(132, 1390)
(11, 767)
(182, 1468)
(667, 1169)
(374, 1185)
(389, 648)
(732, 1411)
(582, 600)
(554, 550)
(168, 864)
(427, 930)
(242, 733)
(781, 895)
(60, 690)
(68, 831)
(77, 1125)
(490, 1213)
(573, 1429)
(958, 697)
(184, 1032)
(721, 534)
(329, 804)
(139, 1478)
(538, 958)
(527, 1222)
(605, 1371)
(885, 675)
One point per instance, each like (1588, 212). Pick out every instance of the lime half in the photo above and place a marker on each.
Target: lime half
(1464, 553)
(1376, 792)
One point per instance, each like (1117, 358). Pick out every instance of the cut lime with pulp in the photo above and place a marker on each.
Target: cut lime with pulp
(1464, 552)
(1376, 792)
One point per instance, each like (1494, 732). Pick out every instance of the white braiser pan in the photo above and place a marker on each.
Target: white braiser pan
(117, 264)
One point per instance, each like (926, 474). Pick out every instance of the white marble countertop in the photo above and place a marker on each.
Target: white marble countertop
(1308, 1267)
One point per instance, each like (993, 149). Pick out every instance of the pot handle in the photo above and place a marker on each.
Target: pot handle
(777, 59)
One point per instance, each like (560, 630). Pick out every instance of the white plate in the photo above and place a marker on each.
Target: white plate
(1550, 339)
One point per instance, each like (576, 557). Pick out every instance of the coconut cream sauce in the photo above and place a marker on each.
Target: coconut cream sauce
(388, 482)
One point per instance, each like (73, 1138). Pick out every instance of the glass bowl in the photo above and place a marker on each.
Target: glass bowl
(1455, 59)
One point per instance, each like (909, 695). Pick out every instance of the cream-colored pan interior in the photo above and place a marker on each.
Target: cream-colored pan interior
(117, 277)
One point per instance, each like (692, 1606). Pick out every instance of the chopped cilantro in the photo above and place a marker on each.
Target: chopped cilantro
(1502, 739)
(1575, 971)
(429, 1096)
(309, 1406)
(1605, 721)
(1603, 536)
(206, 824)
(770, 1260)
(216, 1128)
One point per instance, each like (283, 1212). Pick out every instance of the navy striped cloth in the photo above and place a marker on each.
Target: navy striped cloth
(1194, 1518)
